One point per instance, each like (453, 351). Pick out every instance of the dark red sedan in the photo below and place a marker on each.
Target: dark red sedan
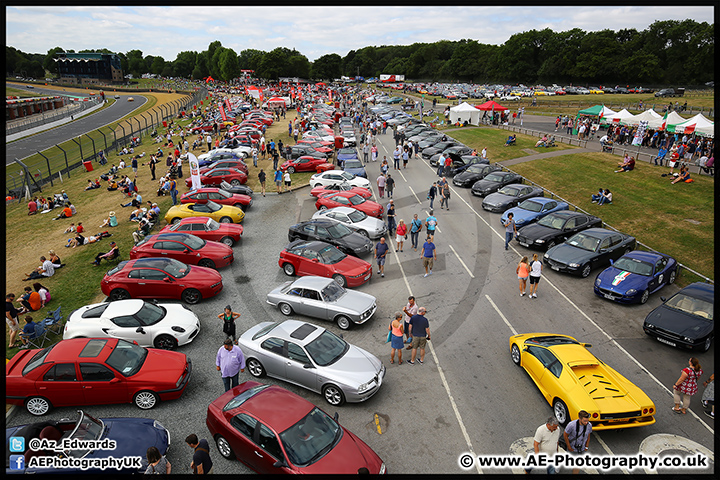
(217, 195)
(312, 257)
(342, 187)
(161, 278)
(319, 146)
(217, 175)
(274, 431)
(184, 247)
(208, 229)
(226, 163)
(350, 199)
(303, 164)
(94, 371)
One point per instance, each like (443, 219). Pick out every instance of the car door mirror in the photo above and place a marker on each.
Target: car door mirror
(166, 279)
(612, 261)
(140, 330)
(280, 463)
(663, 299)
(586, 345)
(115, 380)
(315, 260)
(308, 365)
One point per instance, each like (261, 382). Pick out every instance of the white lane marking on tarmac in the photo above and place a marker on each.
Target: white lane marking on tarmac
(461, 261)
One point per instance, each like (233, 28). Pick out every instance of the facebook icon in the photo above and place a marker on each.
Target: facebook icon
(17, 462)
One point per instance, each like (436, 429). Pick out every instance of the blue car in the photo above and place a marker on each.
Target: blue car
(347, 154)
(533, 209)
(216, 155)
(634, 276)
(132, 436)
(355, 167)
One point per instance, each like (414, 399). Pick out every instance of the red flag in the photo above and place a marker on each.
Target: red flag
(222, 113)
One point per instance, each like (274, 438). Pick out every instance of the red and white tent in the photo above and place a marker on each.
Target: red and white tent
(491, 105)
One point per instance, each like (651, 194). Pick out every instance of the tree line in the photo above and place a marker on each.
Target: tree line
(668, 52)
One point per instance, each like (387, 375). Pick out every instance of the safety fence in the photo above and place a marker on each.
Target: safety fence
(49, 116)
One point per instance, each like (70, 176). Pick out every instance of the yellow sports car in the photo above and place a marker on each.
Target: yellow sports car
(573, 379)
(596, 90)
(219, 213)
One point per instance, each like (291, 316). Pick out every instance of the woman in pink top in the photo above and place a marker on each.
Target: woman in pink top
(523, 270)
(686, 386)
(396, 339)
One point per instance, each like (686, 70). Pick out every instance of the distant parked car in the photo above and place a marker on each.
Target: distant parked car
(587, 249)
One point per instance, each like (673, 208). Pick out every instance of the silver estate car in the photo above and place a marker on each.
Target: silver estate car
(356, 220)
(314, 358)
(323, 298)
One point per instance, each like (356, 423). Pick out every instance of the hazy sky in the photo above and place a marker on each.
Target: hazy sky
(312, 31)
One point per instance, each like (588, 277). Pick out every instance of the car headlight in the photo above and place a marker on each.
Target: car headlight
(574, 265)
(365, 387)
(179, 380)
(598, 282)
(539, 241)
(688, 339)
(632, 291)
(177, 329)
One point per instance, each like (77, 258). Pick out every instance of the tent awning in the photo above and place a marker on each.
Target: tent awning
(596, 110)
(491, 105)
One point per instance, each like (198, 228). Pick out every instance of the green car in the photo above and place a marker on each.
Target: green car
(394, 100)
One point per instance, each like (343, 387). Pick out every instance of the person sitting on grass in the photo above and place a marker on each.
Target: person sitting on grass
(32, 207)
(510, 141)
(44, 270)
(92, 185)
(684, 175)
(28, 331)
(57, 263)
(30, 300)
(627, 166)
(606, 197)
(542, 142)
(44, 293)
(113, 253)
(66, 213)
(112, 185)
(596, 198)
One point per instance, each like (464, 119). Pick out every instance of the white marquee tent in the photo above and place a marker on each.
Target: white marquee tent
(697, 124)
(653, 118)
(465, 112)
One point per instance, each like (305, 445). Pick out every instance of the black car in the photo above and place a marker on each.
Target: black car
(241, 189)
(437, 148)
(431, 141)
(665, 92)
(621, 90)
(588, 249)
(454, 150)
(510, 196)
(555, 228)
(494, 182)
(424, 134)
(461, 163)
(570, 90)
(685, 319)
(417, 129)
(297, 151)
(346, 240)
(473, 173)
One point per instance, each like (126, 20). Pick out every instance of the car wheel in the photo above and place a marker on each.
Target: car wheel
(550, 244)
(343, 322)
(119, 294)
(515, 354)
(235, 182)
(228, 241)
(334, 395)
(166, 342)
(255, 368)
(145, 400)
(585, 271)
(291, 170)
(317, 185)
(706, 344)
(645, 296)
(340, 280)
(285, 309)
(289, 269)
(191, 296)
(206, 262)
(240, 206)
(671, 279)
(226, 220)
(38, 406)
(561, 412)
(224, 448)
(364, 233)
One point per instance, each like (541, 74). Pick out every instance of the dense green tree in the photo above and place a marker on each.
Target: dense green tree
(228, 64)
(249, 59)
(328, 67)
(136, 63)
(184, 64)
(49, 63)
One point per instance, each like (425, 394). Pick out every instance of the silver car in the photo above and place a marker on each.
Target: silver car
(356, 220)
(323, 298)
(314, 358)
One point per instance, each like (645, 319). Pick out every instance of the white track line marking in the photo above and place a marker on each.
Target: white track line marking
(461, 261)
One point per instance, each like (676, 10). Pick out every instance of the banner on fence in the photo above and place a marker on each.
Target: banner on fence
(194, 171)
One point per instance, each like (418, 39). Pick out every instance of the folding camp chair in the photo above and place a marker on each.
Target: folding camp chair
(53, 321)
(37, 339)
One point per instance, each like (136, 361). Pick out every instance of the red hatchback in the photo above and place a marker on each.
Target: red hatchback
(161, 278)
(184, 247)
(303, 257)
(319, 146)
(208, 229)
(226, 163)
(272, 430)
(217, 195)
(350, 199)
(343, 187)
(94, 371)
(217, 175)
(304, 164)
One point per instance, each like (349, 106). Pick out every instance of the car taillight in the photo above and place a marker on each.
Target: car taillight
(595, 415)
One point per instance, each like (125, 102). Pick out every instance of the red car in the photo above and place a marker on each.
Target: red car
(316, 143)
(161, 278)
(186, 248)
(274, 431)
(217, 195)
(94, 371)
(303, 164)
(213, 177)
(342, 187)
(208, 127)
(208, 229)
(319, 146)
(253, 133)
(226, 163)
(350, 199)
(303, 257)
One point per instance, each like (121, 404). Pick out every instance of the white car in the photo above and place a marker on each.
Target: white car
(162, 325)
(244, 152)
(355, 220)
(332, 177)
(318, 135)
(509, 97)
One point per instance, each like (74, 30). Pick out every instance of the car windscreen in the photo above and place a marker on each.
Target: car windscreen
(552, 221)
(356, 199)
(357, 216)
(127, 358)
(37, 360)
(311, 438)
(331, 255)
(691, 305)
(509, 191)
(494, 177)
(212, 225)
(586, 242)
(475, 168)
(338, 230)
(212, 206)
(224, 193)
(353, 164)
(327, 348)
(176, 268)
(332, 292)
(347, 176)
(196, 243)
(86, 428)
(633, 265)
(531, 206)
(150, 314)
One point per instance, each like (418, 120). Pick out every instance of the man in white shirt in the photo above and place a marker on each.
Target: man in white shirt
(545, 441)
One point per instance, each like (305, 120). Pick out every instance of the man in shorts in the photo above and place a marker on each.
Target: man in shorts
(278, 180)
(420, 330)
(381, 250)
(11, 318)
(428, 255)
